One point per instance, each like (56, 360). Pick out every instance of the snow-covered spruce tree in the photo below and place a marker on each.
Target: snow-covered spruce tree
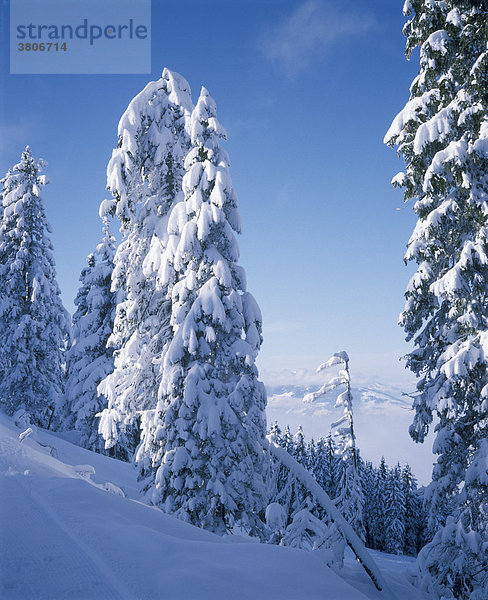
(33, 321)
(210, 420)
(379, 511)
(350, 495)
(293, 516)
(368, 480)
(300, 448)
(442, 134)
(285, 489)
(287, 441)
(322, 463)
(330, 468)
(144, 176)
(275, 432)
(6, 223)
(395, 512)
(89, 360)
(415, 521)
(311, 455)
(278, 490)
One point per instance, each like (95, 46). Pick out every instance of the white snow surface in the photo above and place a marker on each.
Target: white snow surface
(67, 532)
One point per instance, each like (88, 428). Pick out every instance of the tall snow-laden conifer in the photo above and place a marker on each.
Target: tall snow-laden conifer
(350, 497)
(210, 420)
(89, 360)
(144, 176)
(33, 321)
(442, 134)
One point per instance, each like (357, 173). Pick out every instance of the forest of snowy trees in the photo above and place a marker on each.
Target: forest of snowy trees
(393, 519)
(157, 365)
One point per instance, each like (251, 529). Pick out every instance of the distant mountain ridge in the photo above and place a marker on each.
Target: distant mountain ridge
(374, 393)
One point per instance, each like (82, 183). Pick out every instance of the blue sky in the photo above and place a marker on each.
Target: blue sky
(306, 91)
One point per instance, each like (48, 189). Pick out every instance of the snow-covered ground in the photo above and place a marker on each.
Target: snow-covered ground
(382, 416)
(67, 532)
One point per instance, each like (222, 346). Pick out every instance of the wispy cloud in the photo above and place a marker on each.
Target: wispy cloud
(310, 31)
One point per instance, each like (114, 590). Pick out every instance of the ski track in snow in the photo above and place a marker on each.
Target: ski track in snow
(65, 567)
(63, 538)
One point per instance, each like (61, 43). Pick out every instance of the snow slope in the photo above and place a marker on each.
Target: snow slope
(382, 416)
(62, 536)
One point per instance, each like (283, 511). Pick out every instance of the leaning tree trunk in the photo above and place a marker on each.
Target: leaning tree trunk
(345, 530)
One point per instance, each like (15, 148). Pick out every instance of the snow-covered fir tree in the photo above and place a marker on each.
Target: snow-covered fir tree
(89, 359)
(210, 422)
(144, 176)
(379, 511)
(329, 467)
(285, 490)
(6, 223)
(415, 520)
(300, 448)
(275, 432)
(317, 462)
(288, 442)
(368, 480)
(442, 134)
(33, 321)
(279, 481)
(395, 512)
(311, 453)
(349, 491)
